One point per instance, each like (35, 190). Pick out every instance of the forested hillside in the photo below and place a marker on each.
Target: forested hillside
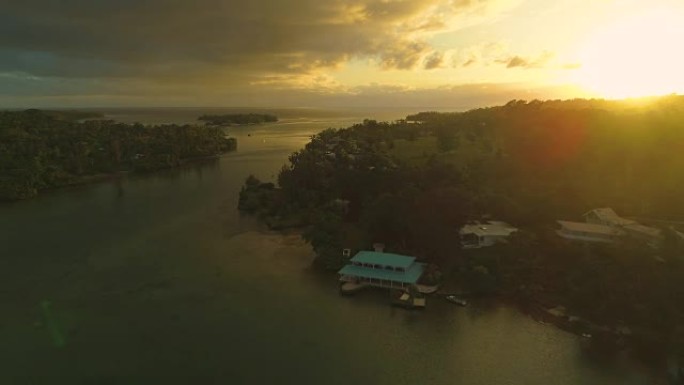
(41, 150)
(529, 163)
(412, 184)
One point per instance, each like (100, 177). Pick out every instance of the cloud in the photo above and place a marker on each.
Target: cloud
(498, 53)
(457, 97)
(403, 54)
(469, 62)
(231, 40)
(276, 91)
(434, 60)
(484, 54)
(571, 66)
(516, 61)
(219, 51)
(377, 89)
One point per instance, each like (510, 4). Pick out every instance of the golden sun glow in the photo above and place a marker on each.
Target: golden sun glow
(640, 56)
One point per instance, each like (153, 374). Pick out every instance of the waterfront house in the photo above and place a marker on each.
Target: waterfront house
(588, 232)
(482, 234)
(380, 269)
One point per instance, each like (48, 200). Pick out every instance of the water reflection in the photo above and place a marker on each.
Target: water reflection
(119, 187)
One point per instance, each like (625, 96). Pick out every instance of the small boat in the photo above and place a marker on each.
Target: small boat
(456, 300)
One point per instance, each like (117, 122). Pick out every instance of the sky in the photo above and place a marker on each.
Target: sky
(328, 53)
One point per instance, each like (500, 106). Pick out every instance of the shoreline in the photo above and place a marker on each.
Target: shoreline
(116, 175)
(644, 345)
(596, 337)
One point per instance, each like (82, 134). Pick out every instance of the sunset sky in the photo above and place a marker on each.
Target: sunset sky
(286, 53)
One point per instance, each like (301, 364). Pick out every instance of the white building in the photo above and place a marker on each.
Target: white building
(482, 234)
(588, 232)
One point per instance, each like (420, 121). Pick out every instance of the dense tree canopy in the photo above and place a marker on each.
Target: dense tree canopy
(42, 150)
(529, 163)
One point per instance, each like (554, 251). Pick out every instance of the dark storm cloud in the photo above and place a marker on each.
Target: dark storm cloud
(237, 40)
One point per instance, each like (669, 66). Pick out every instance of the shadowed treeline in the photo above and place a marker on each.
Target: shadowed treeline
(42, 150)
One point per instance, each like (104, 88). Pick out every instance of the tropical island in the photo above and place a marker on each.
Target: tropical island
(414, 184)
(237, 119)
(47, 149)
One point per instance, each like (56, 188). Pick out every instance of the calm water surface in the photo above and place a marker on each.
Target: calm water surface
(158, 279)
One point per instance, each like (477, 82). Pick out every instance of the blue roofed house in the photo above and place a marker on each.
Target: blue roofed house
(382, 269)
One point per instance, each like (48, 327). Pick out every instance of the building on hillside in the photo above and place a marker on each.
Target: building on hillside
(607, 217)
(588, 232)
(382, 269)
(482, 234)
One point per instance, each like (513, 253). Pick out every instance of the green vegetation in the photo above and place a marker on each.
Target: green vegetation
(42, 150)
(230, 119)
(412, 184)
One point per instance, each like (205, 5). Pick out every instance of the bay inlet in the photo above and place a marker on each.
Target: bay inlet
(159, 279)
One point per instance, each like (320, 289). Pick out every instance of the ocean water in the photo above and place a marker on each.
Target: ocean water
(318, 116)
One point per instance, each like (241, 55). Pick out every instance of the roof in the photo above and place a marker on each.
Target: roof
(609, 215)
(492, 228)
(587, 228)
(384, 259)
(645, 230)
(411, 275)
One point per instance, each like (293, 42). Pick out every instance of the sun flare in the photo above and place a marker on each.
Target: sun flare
(640, 56)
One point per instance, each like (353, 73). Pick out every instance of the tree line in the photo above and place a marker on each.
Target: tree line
(40, 150)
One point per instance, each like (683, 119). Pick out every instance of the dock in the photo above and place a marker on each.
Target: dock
(404, 299)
